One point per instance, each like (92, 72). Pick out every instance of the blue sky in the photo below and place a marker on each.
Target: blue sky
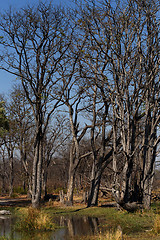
(6, 79)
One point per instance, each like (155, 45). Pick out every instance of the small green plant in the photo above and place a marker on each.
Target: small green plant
(19, 190)
(57, 190)
(33, 219)
(14, 195)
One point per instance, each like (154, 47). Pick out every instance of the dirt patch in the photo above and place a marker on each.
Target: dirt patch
(19, 202)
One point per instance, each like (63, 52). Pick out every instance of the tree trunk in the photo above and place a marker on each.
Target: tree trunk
(95, 184)
(148, 178)
(11, 175)
(44, 181)
(3, 184)
(61, 196)
(70, 189)
(147, 193)
(37, 174)
(29, 193)
(3, 175)
(72, 171)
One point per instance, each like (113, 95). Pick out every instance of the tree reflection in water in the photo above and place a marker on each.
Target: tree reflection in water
(79, 225)
(71, 226)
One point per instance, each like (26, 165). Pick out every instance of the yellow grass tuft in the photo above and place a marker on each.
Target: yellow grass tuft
(111, 235)
(34, 219)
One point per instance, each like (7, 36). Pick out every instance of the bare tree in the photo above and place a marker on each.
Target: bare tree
(35, 42)
(3, 169)
(125, 40)
(19, 109)
(135, 64)
(55, 140)
(72, 98)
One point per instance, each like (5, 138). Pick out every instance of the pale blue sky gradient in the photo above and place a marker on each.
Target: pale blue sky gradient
(6, 79)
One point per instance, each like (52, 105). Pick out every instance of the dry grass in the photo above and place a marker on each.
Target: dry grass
(112, 235)
(34, 219)
(109, 235)
(156, 227)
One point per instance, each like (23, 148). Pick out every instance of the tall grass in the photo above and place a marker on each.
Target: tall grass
(31, 219)
(112, 235)
(156, 227)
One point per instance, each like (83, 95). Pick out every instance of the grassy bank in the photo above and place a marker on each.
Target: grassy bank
(140, 225)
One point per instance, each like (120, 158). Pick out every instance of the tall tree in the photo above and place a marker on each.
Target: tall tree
(4, 125)
(55, 140)
(4, 128)
(20, 110)
(36, 39)
(125, 39)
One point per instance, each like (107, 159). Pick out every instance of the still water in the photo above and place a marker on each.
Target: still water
(71, 227)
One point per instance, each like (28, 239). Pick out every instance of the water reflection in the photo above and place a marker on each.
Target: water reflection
(71, 226)
(5, 225)
(76, 226)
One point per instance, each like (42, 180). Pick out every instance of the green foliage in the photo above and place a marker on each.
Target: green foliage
(13, 195)
(4, 124)
(31, 219)
(59, 189)
(4, 238)
(19, 190)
